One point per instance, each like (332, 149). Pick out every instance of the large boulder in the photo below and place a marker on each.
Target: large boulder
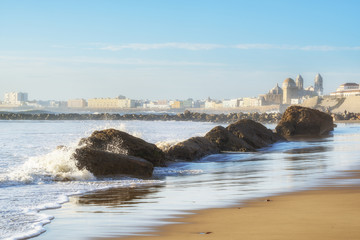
(116, 141)
(254, 133)
(298, 120)
(226, 141)
(103, 163)
(192, 149)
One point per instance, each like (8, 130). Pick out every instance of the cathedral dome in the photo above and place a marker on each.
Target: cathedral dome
(276, 90)
(289, 83)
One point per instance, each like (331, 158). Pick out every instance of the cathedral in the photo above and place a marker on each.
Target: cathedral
(293, 92)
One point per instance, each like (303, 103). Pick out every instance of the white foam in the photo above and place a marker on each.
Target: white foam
(58, 165)
(165, 145)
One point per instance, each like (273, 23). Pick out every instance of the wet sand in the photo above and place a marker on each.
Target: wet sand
(325, 213)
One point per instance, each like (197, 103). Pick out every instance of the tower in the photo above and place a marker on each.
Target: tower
(290, 90)
(299, 82)
(318, 85)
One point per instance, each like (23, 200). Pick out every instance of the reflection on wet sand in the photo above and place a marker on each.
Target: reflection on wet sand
(312, 157)
(117, 197)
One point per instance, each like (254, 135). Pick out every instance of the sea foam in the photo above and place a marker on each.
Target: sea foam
(58, 165)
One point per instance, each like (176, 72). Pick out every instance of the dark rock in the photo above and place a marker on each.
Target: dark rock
(254, 133)
(226, 141)
(192, 149)
(102, 163)
(304, 121)
(116, 141)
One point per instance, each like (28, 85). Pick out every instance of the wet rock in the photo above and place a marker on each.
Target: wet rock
(102, 163)
(192, 149)
(226, 141)
(304, 121)
(116, 141)
(254, 133)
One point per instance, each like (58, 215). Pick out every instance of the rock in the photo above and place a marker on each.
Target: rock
(226, 141)
(254, 133)
(116, 141)
(192, 149)
(298, 120)
(102, 163)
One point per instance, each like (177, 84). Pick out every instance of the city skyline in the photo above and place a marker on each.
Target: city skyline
(174, 50)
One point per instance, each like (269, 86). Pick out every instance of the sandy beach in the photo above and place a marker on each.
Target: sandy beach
(331, 212)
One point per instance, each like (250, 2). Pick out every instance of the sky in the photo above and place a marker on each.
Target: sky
(162, 49)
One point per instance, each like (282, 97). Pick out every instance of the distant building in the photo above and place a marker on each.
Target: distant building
(293, 92)
(290, 91)
(189, 103)
(251, 102)
(318, 85)
(110, 103)
(47, 104)
(212, 104)
(347, 89)
(161, 104)
(77, 103)
(274, 96)
(176, 104)
(232, 103)
(15, 98)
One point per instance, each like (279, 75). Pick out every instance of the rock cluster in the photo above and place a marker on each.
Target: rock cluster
(242, 136)
(115, 141)
(346, 116)
(111, 151)
(103, 163)
(304, 121)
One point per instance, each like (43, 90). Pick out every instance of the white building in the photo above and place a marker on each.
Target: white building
(232, 103)
(157, 105)
(211, 104)
(76, 103)
(15, 98)
(110, 103)
(347, 89)
(250, 102)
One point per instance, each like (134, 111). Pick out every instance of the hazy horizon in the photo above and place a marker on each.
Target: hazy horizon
(62, 50)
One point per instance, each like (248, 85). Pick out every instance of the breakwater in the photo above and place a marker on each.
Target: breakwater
(186, 116)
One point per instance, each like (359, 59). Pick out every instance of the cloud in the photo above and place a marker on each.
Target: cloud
(207, 46)
(154, 46)
(324, 48)
(104, 61)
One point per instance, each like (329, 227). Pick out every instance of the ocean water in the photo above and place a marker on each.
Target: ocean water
(43, 194)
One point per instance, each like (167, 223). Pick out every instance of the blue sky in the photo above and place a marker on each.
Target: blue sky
(174, 49)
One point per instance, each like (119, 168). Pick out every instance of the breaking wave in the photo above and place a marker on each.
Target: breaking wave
(58, 165)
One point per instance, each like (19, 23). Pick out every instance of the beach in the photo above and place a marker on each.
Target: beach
(39, 204)
(330, 212)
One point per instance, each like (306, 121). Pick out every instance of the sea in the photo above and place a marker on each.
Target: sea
(44, 196)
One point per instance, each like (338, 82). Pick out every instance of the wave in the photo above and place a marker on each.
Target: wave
(58, 165)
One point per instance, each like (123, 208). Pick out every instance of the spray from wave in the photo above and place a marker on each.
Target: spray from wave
(58, 165)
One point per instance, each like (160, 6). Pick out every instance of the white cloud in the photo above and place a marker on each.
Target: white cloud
(105, 61)
(207, 46)
(324, 48)
(173, 45)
